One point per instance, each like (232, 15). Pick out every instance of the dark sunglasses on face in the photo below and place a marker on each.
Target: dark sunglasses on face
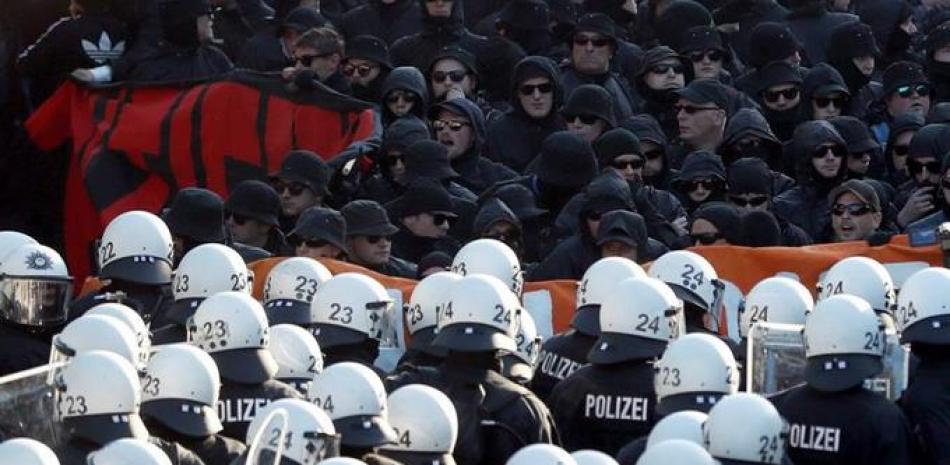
(916, 167)
(708, 184)
(395, 97)
(749, 202)
(690, 110)
(945, 183)
(772, 96)
(454, 126)
(527, 89)
(439, 219)
(713, 55)
(456, 76)
(238, 218)
(654, 154)
(859, 155)
(584, 119)
(900, 150)
(362, 70)
(663, 69)
(921, 90)
(853, 209)
(582, 41)
(836, 151)
(705, 238)
(307, 60)
(823, 102)
(634, 164)
(376, 239)
(295, 188)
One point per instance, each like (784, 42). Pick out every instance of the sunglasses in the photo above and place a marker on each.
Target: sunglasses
(624, 164)
(705, 238)
(836, 151)
(456, 76)
(749, 202)
(439, 219)
(859, 155)
(945, 183)
(395, 97)
(917, 167)
(663, 69)
(295, 188)
(582, 41)
(454, 126)
(376, 239)
(654, 154)
(690, 110)
(708, 184)
(772, 96)
(900, 150)
(307, 60)
(922, 90)
(853, 209)
(528, 89)
(712, 55)
(239, 219)
(362, 70)
(391, 160)
(584, 119)
(823, 102)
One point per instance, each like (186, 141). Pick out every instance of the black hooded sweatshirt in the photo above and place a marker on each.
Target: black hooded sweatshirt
(749, 122)
(812, 24)
(476, 172)
(514, 139)
(420, 48)
(407, 79)
(388, 22)
(806, 205)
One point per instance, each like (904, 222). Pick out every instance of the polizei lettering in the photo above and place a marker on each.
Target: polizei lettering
(820, 438)
(625, 408)
(557, 366)
(239, 410)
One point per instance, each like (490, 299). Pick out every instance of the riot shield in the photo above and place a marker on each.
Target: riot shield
(27, 407)
(268, 444)
(893, 380)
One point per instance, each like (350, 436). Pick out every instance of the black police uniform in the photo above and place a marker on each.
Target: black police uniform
(76, 450)
(514, 416)
(853, 427)
(603, 406)
(21, 348)
(238, 403)
(561, 356)
(213, 449)
(629, 454)
(926, 402)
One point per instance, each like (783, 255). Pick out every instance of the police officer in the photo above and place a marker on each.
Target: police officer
(566, 352)
(923, 317)
(297, 354)
(232, 328)
(133, 321)
(746, 429)
(519, 365)
(26, 451)
(493, 258)
(541, 454)
(676, 451)
(97, 397)
(96, 332)
(28, 319)
(695, 371)
(774, 300)
(204, 271)
(593, 457)
(355, 399)
(496, 416)
(865, 278)
(427, 439)
(604, 404)
(685, 424)
(134, 257)
(349, 316)
(308, 437)
(290, 288)
(179, 403)
(421, 315)
(125, 451)
(833, 418)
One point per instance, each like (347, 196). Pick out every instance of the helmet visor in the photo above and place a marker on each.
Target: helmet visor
(31, 301)
(382, 318)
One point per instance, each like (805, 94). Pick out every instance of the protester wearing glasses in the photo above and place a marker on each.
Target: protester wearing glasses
(319, 233)
(592, 47)
(366, 66)
(495, 220)
(855, 211)
(588, 112)
(301, 182)
(819, 153)
(751, 186)
(930, 222)
(271, 49)
(453, 69)
(424, 214)
(716, 223)
(780, 95)
(657, 172)
(702, 110)
(748, 135)
(898, 146)
(369, 239)
(826, 93)
(920, 196)
(251, 215)
(663, 72)
(769, 41)
(906, 90)
(702, 179)
(318, 56)
(707, 54)
(404, 92)
(515, 137)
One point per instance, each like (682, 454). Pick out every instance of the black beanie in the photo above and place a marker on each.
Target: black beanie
(678, 18)
(725, 217)
(851, 40)
(614, 143)
(749, 176)
(771, 41)
(566, 160)
(902, 73)
(761, 229)
(590, 100)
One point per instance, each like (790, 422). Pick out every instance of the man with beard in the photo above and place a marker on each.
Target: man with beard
(855, 211)
(366, 67)
(780, 96)
(389, 20)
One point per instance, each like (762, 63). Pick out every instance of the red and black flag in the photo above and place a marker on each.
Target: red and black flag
(133, 147)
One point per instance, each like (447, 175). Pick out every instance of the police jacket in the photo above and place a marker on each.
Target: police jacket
(238, 403)
(853, 427)
(561, 356)
(926, 402)
(389, 22)
(213, 450)
(75, 452)
(22, 348)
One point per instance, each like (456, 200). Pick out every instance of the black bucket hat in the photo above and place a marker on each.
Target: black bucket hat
(256, 200)
(367, 218)
(196, 214)
(319, 223)
(371, 48)
(590, 100)
(307, 168)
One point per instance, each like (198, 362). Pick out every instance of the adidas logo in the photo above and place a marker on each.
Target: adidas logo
(103, 51)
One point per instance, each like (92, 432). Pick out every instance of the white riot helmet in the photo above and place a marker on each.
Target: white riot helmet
(598, 282)
(519, 365)
(844, 343)
(129, 451)
(862, 277)
(745, 428)
(290, 288)
(541, 454)
(232, 328)
(97, 332)
(422, 438)
(180, 391)
(297, 354)
(676, 451)
(491, 257)
(923, 314)
(423, 309)
(131, 319)
(687, 425)
(775, 300)
(354, 397)
(351, 308)
(308, 437)
(35, 287)
(481, 315)
(342, 461)
(12, 240)
(97, 397)
(695, 371)
(593, 457)
(692, 278)
(136, 247)
(26, 451)
(203, 272)
(637, 320)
